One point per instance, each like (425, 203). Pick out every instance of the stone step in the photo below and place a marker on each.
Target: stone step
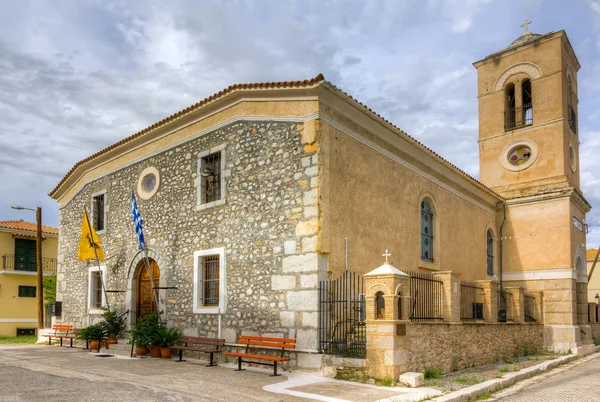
(119, 349)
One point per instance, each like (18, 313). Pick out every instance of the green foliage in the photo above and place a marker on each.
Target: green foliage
(92, 332)
(431, 373)
(503, 370)
(597, 341)
(18, 339)
(481, 397)
(144, 330)
(569, 352)
(467, 380)
(49, 289)
(385, 382)
(114, 323)
(166, 337)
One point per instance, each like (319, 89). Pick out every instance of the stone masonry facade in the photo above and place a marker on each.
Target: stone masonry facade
(268, 227)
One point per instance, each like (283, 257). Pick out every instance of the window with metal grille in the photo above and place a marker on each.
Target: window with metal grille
(490, 253)
(98, 221)
(426, 231)
(210, 172)
(27, 291)
(95, 290)
(210, 294)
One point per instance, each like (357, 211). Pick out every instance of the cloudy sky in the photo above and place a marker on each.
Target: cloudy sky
(77, 76)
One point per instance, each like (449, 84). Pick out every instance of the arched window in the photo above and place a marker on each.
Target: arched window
(379, 306)
(527, 103)
(572, 100)
(400, 306)
(510, 110)
(490, 253)
(426, 231)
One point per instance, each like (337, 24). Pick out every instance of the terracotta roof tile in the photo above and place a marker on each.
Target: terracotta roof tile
(262, 85)
(27, 226)
(590, 253)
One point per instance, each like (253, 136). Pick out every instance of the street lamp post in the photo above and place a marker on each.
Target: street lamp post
(38, 257)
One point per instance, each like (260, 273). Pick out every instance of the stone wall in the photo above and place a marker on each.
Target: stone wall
(268, 226)
(595, 330)
(455, 346)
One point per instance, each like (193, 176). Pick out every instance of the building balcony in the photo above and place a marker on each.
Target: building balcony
(517, 117)
(7, 263)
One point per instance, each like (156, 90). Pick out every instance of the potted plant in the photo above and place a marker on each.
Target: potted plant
(142, 333)
(114, 324)
(95, 333)
(83, 334)
(153, 324)
(167, 337)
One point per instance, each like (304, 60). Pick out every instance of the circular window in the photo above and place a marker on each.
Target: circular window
(572, 159)
(148, 183)
(519, 156)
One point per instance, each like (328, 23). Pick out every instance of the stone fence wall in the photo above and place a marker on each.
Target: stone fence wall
(448, 346)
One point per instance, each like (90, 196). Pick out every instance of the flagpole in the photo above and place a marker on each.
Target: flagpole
(87, 218)
(142, 243)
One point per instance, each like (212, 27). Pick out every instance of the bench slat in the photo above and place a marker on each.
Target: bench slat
(268, 344)
(197, 349)
(258, 357)
(266, 338)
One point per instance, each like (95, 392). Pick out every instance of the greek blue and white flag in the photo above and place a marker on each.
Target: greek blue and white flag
(137, 221)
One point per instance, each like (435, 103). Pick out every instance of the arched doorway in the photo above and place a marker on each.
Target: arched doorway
(145, 299)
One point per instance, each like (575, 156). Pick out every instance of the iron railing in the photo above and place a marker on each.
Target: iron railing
(516, 117)
(505, 306)
(530, 309)
(470, 306)
(573, 119)
(8, 264)
(426, 297)
(342, 315)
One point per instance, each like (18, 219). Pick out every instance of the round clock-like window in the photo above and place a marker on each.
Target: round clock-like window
(148, 183)
(519, 155)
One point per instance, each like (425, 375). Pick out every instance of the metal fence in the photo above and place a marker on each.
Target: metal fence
(471, 307)
(505, 306)
(8, 264)
(516, 117)
(530, 309)
(426, 297)
(342, 315)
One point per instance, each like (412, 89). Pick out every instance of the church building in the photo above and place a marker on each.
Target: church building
(255, 196)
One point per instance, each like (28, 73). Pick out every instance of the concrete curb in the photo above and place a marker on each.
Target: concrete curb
(472, 392)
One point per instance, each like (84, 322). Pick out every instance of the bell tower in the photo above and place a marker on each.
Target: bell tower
(529, 154)
(528, 134)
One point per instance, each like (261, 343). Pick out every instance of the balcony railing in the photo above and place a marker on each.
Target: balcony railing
(573, 119)
(8, 264)
(517, 117)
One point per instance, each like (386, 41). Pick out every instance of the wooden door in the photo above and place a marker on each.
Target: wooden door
(25, 255)
(145, 299)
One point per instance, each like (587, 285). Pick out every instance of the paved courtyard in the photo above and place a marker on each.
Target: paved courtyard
(579, 382)
(54, 373)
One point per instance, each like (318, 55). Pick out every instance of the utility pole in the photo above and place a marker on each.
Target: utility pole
(40, 273)
(38, 258)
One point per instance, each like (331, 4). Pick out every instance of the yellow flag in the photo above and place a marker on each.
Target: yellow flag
(88, 241)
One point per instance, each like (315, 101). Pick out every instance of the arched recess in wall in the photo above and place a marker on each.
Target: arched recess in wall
(580, 264)
(528, 68)
(490, 251)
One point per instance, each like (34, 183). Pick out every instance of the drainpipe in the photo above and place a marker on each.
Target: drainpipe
(500, 257)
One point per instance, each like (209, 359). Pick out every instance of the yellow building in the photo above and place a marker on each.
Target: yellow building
(18, 276)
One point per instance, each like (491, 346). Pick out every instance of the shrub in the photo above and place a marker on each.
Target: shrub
(114, 323)
(433, 373)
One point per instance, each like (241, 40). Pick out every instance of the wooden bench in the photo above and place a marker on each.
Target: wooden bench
(61, 331)
(264, 342)
(204, 345)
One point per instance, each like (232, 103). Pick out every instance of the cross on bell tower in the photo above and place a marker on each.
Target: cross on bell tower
(525, 25)
(386, 255)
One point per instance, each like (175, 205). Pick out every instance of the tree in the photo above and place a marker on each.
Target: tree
(49, 289)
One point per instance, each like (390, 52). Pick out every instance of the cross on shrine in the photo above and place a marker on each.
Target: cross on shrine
(525, 24)
(386, 255)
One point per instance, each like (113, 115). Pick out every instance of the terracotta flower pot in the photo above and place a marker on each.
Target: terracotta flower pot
(95, 344)
(141, 351)
(155, 351)
(165, 352)
(110, 341)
